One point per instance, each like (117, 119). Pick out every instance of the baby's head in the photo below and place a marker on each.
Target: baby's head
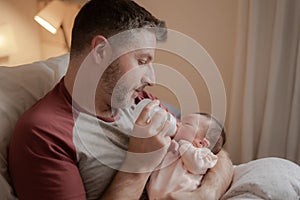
(203, 130)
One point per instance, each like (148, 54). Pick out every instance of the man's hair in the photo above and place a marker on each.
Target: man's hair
(110, 17)
(218, 130)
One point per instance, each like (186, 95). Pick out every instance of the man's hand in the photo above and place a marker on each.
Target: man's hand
(149, 142)
(208, 195)
(147, 147)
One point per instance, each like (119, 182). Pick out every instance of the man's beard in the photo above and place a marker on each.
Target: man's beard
(121, 97)
(120, 94)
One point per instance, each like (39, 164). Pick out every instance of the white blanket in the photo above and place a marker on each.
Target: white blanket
(268, 178)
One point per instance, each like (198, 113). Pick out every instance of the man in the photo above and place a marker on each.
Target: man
(80, 141)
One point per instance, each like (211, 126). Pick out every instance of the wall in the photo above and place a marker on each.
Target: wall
(55, 45)
(212, 24)
(20, 16)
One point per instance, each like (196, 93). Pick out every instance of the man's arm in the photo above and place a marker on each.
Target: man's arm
(126, 186)
(148, 145)
(217, 179)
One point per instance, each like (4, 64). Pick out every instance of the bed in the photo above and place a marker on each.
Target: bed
(22, 86)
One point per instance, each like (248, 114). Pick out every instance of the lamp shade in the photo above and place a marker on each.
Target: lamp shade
(51, 16)
(7, 40)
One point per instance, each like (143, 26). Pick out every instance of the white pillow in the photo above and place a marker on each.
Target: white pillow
(20, 88)
(267, 178)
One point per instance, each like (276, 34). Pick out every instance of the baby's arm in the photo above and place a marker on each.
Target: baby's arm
(196, 160)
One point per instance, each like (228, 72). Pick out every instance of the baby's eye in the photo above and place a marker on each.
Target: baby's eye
(188, 124)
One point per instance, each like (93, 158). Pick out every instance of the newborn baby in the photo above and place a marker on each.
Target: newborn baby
(193, 150)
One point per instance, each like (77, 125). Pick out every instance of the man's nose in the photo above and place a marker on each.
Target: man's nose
(149, 77)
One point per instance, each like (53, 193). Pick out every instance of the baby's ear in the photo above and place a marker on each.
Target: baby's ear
(205, 143)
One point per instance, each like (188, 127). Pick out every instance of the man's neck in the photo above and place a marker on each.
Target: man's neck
(101, 106)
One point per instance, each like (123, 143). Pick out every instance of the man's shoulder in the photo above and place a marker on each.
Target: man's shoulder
(50, 112)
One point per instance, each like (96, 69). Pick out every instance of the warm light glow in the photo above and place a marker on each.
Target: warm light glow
(45, 24)
(2, 40)
(7, 40)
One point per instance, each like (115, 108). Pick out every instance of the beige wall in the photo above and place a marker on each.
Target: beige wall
(211, 23)
(55, 45)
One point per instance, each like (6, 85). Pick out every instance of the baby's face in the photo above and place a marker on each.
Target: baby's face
(193, 127)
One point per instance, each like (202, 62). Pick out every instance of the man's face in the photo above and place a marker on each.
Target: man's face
(131, 72)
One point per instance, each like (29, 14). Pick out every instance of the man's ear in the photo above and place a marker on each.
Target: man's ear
(99, 48)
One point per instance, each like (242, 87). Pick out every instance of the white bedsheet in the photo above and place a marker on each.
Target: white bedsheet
(267, 178)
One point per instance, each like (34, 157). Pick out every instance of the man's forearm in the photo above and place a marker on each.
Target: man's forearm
(126, 186)
(219, 177)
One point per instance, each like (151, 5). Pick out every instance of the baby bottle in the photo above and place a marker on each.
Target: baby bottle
(139, 107)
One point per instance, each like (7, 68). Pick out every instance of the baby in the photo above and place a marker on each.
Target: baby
(193, 150)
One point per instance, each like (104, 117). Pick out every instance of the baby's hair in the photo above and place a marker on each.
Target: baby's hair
(221, 137)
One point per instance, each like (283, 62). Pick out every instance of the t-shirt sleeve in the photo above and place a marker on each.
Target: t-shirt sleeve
(43, 165)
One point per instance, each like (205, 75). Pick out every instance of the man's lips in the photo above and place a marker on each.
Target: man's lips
(138, 90)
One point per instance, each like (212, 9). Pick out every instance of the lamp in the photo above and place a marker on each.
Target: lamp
(7, 40)
(51, 17)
